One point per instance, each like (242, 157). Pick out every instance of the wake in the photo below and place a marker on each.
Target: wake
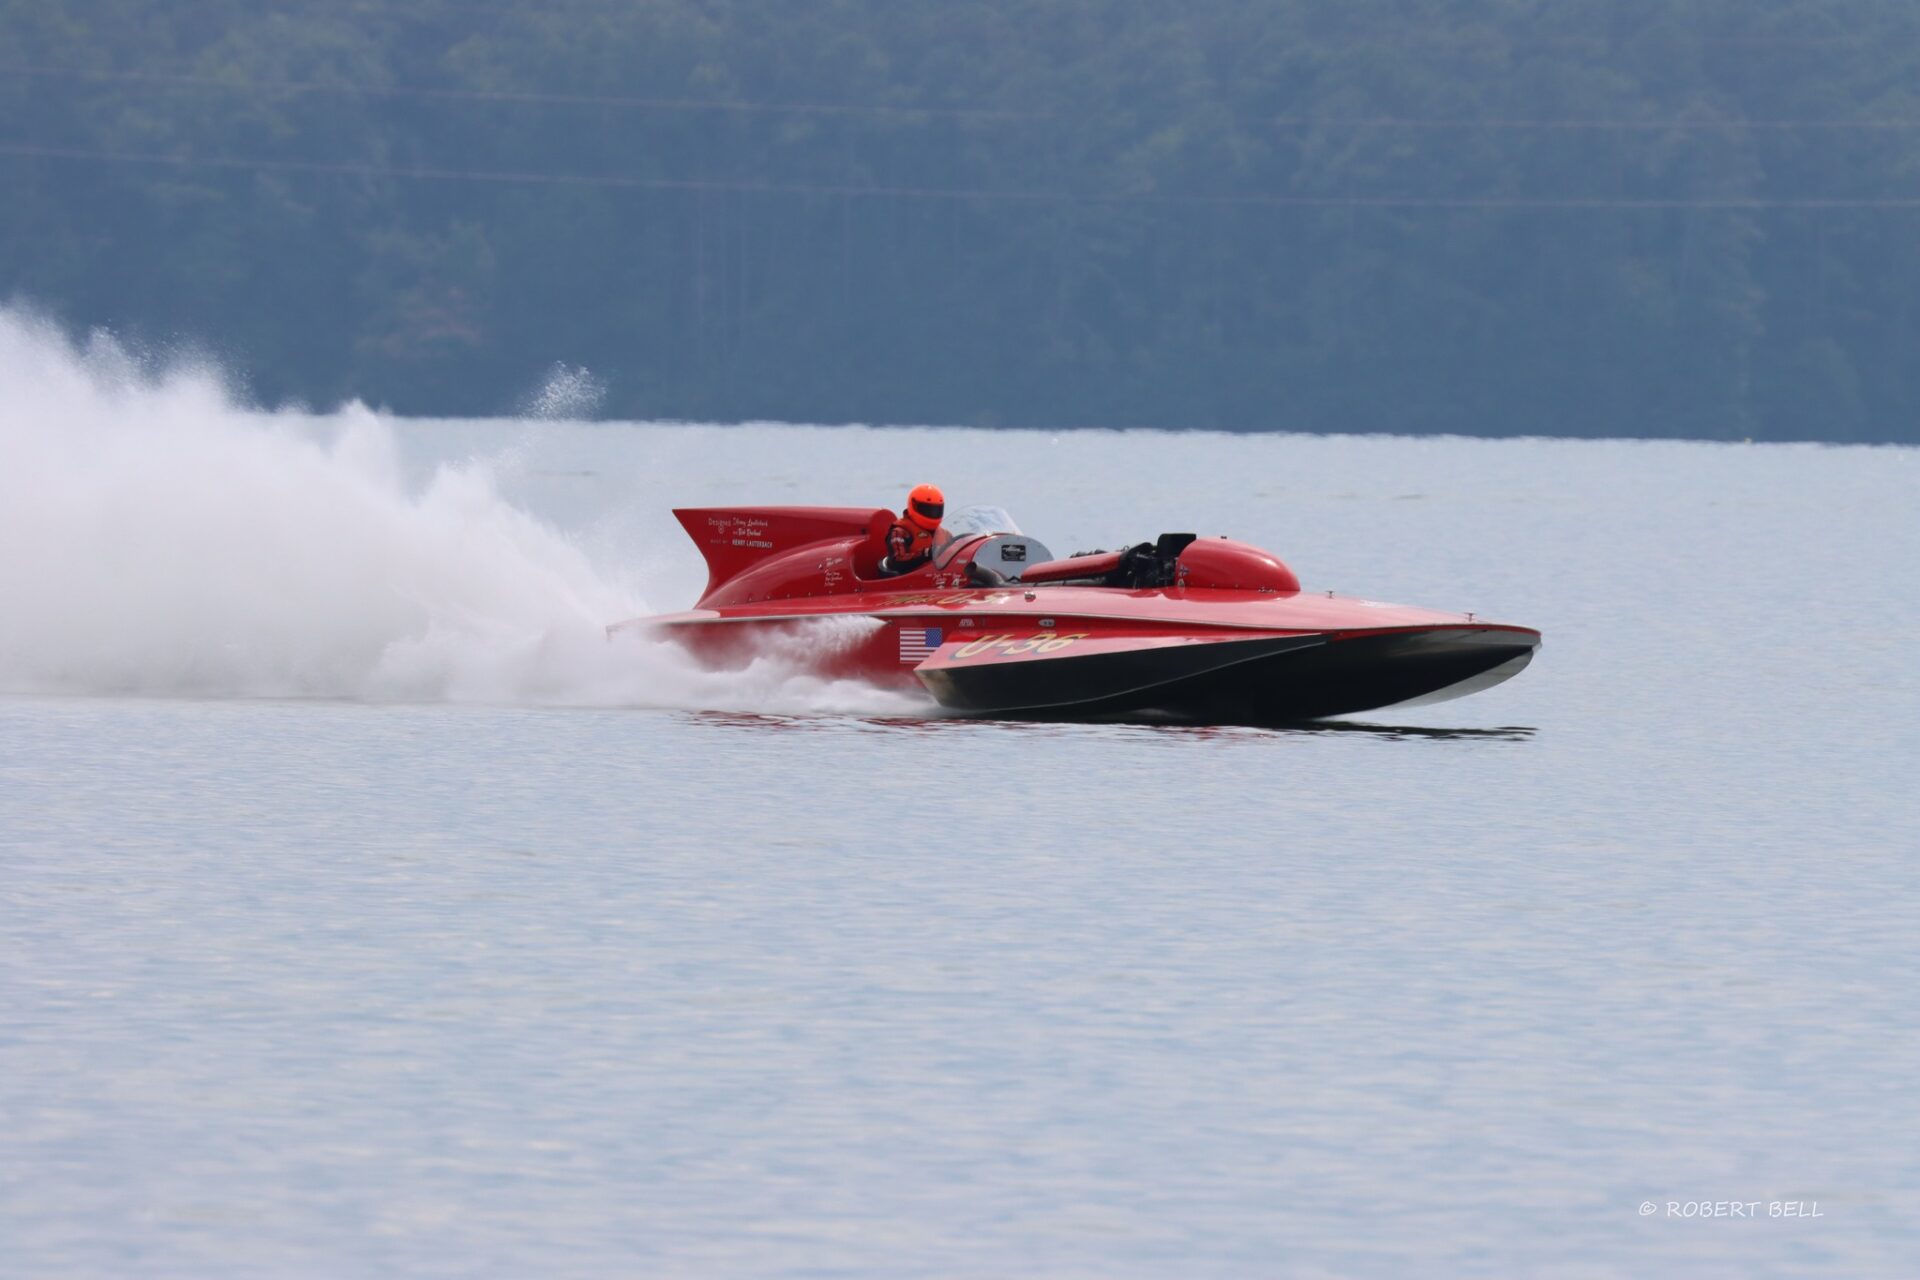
(157, 537)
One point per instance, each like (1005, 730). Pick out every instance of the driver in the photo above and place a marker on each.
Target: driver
(910, 540)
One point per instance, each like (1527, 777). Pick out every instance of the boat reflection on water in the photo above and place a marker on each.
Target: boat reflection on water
(1153, 726)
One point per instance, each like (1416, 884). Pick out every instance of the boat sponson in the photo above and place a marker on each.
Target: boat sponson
(1355, 674)
(1114, 679)
(1264, 680)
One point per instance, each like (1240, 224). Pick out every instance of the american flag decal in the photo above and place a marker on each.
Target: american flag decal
(918, 643)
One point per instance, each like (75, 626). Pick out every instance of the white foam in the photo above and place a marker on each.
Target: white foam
(157, 537)
(567, 393)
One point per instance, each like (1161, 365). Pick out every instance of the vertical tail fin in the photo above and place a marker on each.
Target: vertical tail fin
(735, 538)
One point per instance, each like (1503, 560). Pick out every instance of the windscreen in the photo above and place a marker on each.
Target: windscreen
(968, 521)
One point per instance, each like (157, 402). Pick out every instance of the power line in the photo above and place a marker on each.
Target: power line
(1496, 40)
(509, 95)
(1495, 124)
(1285, 121)
(986, 195)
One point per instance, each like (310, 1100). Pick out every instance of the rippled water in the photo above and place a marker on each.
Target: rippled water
(437, 978)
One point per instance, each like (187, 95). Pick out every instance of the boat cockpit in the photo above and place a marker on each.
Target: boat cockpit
(995, 548)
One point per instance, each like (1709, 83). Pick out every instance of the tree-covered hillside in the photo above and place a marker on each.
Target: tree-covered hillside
(1600, 217)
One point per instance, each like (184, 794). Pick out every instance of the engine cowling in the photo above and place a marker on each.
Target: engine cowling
(1228, 565)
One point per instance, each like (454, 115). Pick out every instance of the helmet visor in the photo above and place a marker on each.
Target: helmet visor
(926, 514)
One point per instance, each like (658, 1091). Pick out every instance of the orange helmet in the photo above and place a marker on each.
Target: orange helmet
(925, 505)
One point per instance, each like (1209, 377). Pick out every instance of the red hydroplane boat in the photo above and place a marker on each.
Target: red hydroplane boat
(1200, 629)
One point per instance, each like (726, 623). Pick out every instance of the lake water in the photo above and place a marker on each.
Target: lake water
(362, 912)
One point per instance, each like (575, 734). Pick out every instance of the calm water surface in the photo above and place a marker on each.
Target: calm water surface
(350, 985)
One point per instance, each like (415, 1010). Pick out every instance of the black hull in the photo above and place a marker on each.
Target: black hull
(1271, 680)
